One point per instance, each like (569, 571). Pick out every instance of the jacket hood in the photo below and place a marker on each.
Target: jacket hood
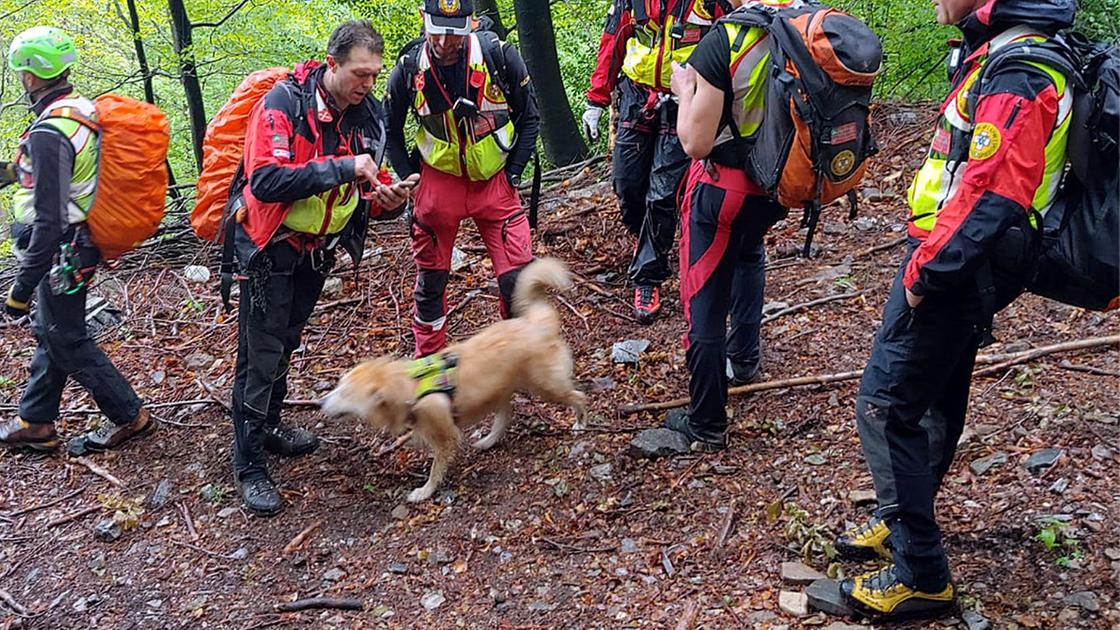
(304, 69)
(996, 16)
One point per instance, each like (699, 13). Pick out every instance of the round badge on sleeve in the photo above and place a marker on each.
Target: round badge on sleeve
(985, 141)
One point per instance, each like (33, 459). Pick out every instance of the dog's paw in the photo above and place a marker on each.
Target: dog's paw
(422, 493)
(578, 427)
(485, 443)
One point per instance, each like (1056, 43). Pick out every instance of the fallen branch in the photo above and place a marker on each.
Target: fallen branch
(301, 537)
(399, 442)
(1000, 361)
(73, 516)
(43, 506)
(213, 395)
(689, 617)
(573, 549)
(878, 248)
(186, 514)
(320, 602)
(810, 304)
(101, 472)
(1088, 369)
(212, 554)
(16, 607)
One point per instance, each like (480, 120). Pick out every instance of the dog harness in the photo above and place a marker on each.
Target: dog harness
(435, 374)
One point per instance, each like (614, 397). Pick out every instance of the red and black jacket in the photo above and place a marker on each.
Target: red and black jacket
(994, 193)
(297, 145)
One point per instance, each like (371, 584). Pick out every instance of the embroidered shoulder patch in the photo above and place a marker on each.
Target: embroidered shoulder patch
(985, 141)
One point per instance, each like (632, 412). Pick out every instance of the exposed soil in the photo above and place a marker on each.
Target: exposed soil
(551, 530)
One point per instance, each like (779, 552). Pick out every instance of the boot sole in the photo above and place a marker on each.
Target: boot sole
(923, 609)
(147, 430)
(38, 447)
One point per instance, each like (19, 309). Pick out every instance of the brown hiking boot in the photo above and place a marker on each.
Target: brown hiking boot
(108, 436)
(18, 433)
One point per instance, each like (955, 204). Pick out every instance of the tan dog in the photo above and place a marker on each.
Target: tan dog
(524, 354)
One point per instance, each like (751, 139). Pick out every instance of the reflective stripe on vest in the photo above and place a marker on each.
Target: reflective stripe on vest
(749, 60)
(83, 180)
(475, 148)
(650, 50)
(940, 176)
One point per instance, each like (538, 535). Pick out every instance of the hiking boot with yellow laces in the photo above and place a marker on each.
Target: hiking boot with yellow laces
(18, 433)
(881, 596)
(869, 541)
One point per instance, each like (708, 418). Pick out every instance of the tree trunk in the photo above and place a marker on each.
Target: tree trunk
(146, 74)
(182, 43)
(489, 8)
(563, 143)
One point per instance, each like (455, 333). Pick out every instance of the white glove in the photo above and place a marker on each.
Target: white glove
(591, 117)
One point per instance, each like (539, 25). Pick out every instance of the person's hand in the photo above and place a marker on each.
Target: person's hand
(393, 196)
(14, 308)
(913, 300)
(366, 169)
(591, 117)
(683, 81)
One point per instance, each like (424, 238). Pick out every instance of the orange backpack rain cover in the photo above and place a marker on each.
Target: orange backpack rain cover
(222, 148)
(132, 174)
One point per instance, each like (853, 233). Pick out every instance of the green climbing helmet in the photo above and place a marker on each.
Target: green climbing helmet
(44, 51)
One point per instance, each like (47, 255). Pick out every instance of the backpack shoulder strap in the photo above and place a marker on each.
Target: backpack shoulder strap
(494, 55)
(410, 63)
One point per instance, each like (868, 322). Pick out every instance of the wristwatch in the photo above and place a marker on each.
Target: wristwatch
(514, 180)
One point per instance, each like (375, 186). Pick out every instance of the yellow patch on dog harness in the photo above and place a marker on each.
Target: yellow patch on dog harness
(435, 374)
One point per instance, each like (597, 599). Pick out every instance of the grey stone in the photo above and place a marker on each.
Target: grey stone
(440, 556)
(1060, 486)
(975, 621)
(1112, 553)
(824, 595)
(816, 459)
(400, 512)
(843, 625)
(659, 442)
(759, 617)
(792, 603)
(155, 603)
(458, 259)
(1043, 459)
(1101, 452)
(198, 360)
(541, 607)
(629, 350)
(865, 224)
(334, 575)
(800, 573)
(240, 554)
(332, 286)
(862, 497)
(399, 568)
(158, 376)
(1085, 599)
(432, 600)
(227, 512)
(602, 384)
(158, 498)
(447, 497)
(602, 472)
(835, 228)
(984, 464)
(107, 530)
(629, 546)
(76, 446)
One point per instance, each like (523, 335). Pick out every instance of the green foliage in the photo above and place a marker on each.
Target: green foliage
(1057, 536)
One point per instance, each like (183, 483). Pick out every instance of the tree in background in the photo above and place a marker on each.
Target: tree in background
(563, 142)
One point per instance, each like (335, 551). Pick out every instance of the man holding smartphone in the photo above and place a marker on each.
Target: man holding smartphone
(477, 128)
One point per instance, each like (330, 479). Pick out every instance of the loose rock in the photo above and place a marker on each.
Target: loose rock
(196, 273)
(791, 603)
(799, 573)
(984, 464)
(602, 472)
(332, 286)
(334, 575)
(158, 498)
(107, 530)
(659, 442)
(824, 595)
(629, 546)
(1085, 599)
(629, 350)
(862, 497)
(1043, 459)
(432, 600)
(400, 512)
(975, 621)
(198, 360)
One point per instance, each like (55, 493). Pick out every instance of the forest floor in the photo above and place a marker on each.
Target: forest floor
(551, 529)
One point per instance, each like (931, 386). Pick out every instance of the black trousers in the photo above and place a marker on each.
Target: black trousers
(276, 301)
(67, 351)
(648, 163)
(911, 409)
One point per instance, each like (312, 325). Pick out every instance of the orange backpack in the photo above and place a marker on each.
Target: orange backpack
(131, 175)
(222, 149)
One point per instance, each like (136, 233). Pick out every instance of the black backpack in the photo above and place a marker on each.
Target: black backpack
(1079, 262)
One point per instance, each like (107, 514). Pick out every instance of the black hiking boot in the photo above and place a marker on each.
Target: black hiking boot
(287, 441)
(702, 441)
(260, 496)
(743, 374)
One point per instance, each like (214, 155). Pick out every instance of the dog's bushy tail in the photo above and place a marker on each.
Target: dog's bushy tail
(534, 281)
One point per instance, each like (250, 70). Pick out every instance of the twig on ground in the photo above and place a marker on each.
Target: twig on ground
(725, 527)
(301, 537)
(43, 506)
(212, 554)
(1001, 361)
(1088, 369)
(573, 549)
(689, 617)
(399, 442)
(810, 304)
(206, 387)
(186, 514)
(73, 516)
(16, 607)
(878, 248)
(320, 602)
(100, 472)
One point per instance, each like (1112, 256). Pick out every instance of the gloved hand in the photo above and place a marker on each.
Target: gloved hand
(591, 117)
(7, 173)
(14, 308)
(514, 179)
